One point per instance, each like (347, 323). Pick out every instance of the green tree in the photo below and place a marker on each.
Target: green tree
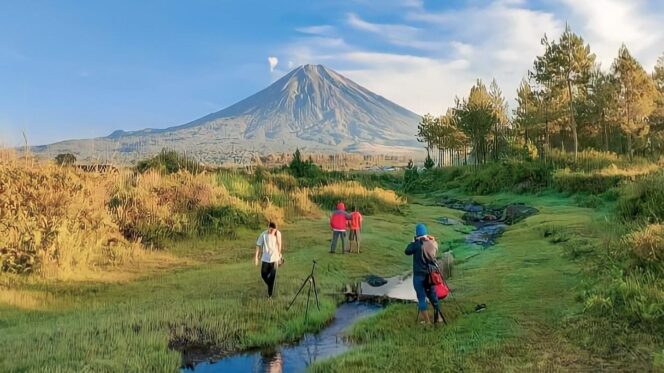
(600, 106)
(476, 118)
(65, 159)
(425, 131)
(637, 95)
(567, 62)
(657, 116)
(428, 162)
(500, 109)
(526, 114)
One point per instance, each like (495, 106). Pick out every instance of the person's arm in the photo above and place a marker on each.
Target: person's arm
(410, 249)
(259, 243)
(279, 248)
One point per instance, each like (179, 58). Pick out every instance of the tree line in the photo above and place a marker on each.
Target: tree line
(565, 102)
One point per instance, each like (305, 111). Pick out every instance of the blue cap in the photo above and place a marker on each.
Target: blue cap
(420, 230)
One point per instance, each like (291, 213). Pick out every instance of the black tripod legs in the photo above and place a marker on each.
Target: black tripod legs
(313, 281)
(298, 293)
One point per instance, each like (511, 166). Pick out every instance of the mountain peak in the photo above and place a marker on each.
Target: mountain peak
(312, 107)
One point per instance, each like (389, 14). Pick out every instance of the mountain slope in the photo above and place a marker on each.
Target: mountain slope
(312, 107)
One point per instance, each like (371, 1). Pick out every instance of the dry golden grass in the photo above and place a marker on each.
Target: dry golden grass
(354, 194)
(648, 243)
(25, 299)
(55, 219)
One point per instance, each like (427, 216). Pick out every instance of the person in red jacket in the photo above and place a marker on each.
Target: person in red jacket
(355, 228)
(338, 222)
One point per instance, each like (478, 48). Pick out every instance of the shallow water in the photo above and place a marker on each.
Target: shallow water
(296, 358)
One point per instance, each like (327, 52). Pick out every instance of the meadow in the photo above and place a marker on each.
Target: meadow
(125, 271)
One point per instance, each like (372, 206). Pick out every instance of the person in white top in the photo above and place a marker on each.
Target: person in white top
(270, 243)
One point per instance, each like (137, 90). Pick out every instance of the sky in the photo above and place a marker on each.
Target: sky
(82, 69)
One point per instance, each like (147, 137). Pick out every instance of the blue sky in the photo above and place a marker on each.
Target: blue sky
(79, 69)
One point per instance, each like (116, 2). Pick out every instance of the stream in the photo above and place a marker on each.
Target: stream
(488, 224)
(328, 342)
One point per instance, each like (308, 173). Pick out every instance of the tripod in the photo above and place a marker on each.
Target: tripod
(311, 280)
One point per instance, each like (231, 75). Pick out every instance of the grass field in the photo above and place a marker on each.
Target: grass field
(217, 302)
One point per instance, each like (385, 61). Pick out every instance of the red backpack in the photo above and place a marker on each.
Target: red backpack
(438, 283)
(435, 279)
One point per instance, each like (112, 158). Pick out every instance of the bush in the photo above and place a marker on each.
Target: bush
(643, 199)
(647, 244)
(581, 182)
(54, 221)
(368, 201)
(152, 206)
(65, 159)
(168, 162)
(303, 169)
(508, 176)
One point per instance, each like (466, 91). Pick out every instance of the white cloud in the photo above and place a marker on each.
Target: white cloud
(448, 50)
(606, 24)
(397, 34)
(321, 30)
(273, 61)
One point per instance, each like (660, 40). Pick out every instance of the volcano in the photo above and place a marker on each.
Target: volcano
(312, 108)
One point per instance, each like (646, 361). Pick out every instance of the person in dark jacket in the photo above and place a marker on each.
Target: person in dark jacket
(423, 249)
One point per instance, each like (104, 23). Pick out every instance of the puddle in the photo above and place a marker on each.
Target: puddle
(330, 341)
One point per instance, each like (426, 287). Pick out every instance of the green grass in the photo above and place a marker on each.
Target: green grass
(528, 287)
(528, 283)
(219, 302)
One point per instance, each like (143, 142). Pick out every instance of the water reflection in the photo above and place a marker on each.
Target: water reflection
(271, 361)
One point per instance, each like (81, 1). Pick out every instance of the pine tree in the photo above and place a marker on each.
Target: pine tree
(500, 108)
(567, 62)
(637, 96)
(476, 117)
(600, 106)
(425, 131)
(527, 112)
(657, 116)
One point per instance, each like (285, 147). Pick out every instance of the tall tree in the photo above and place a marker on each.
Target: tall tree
(476, 117)
(657, 116)
(566, 62)
(601, 103)
(637, 95)
(526, 112)
(425, 131)
(500, 108)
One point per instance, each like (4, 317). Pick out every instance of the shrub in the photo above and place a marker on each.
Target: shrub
(168, 162)
(54, 221)
(507, 176)
(352, 193)
(152, 206)
(428, 162)
(582, 182)
(588, 201)
(647, 244)
(643, 199)
(65, 159)
(303, 169)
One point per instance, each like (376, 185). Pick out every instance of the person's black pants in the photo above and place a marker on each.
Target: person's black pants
(269, 274)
